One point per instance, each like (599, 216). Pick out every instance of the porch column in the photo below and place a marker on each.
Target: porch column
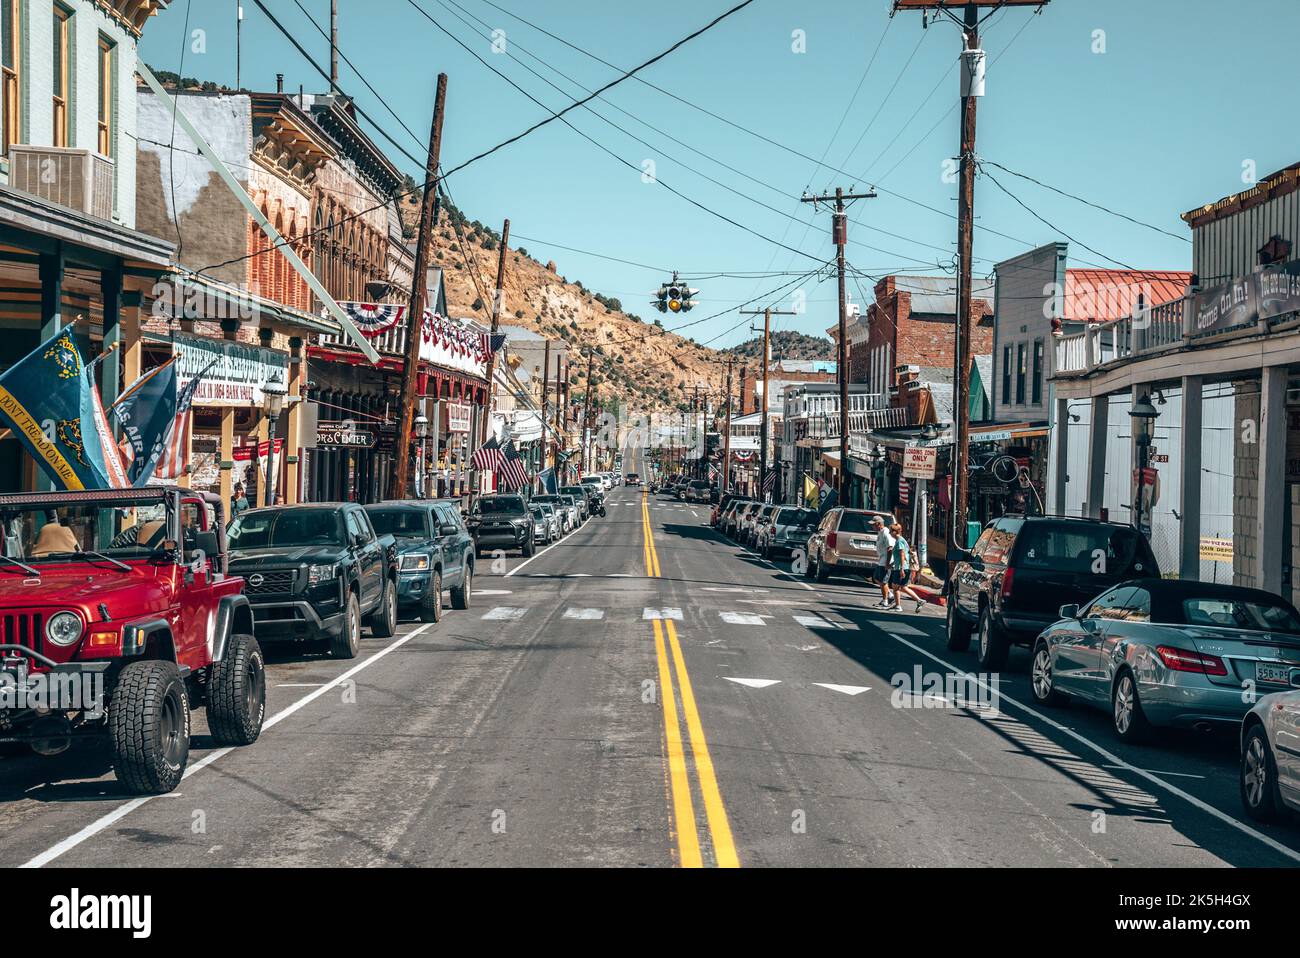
(227, 455)
(1272, 478)
(132, 345)
(293, 439)
(1061, 457)
(265, 494)
(1096, 489)
(1189, 484)
(110, 287)
(51, 274)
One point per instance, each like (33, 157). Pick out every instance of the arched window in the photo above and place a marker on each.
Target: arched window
(318, 245)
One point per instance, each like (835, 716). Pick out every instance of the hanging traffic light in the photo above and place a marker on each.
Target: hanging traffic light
(687, 301)
(660, 302)
(673, 297)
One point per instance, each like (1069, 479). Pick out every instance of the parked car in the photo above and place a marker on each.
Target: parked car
(125, 595)
(749, 523)
(566, 510)
(552, 513)
(697, 490)
(633, 479)
(729, 516)
(315, 573)
(434, 552)
(543, 524)
(844, 543)
(744, 516)
(715, 515)
(786, 529)
(594, 484)
(582, 496)
(502, 522)
(1022, 569)
(1270, 756)
(1169, 652)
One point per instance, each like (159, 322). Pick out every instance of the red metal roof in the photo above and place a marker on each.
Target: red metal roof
(1101, 295)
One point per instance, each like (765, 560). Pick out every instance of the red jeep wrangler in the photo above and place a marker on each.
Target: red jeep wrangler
(117, 617)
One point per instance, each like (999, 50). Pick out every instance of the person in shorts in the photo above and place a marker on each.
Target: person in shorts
(884, 548)
(901, 567)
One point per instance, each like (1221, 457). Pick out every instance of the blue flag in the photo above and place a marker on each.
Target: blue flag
(50, 401)
(145, 411)
(549, 485)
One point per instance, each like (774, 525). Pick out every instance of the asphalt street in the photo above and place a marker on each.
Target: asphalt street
(646, 693)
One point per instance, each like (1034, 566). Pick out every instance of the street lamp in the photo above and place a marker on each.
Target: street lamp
(1144, 415)
(421, 433)
(877, 468)
(273, 395)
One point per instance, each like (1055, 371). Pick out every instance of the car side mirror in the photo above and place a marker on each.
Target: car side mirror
(1068, 611)
(206, 542)
(447, 529)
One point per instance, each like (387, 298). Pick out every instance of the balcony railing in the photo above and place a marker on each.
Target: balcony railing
(1159, 328)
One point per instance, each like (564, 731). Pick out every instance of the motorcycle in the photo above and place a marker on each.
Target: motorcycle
(602, 509)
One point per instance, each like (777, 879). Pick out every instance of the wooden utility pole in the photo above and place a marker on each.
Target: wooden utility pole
(334, 47)
(726, 437)
(497, 299)
(768, 313)
(415, 310)
(972, 90)
(840, 235)
(546, 392)
(586, 420)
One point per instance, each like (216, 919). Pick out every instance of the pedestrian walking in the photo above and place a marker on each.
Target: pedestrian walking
(901, 569)
(238, 501)
(884, 548)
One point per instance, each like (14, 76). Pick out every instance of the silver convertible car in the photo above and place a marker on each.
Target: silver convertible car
(1169, 652)
(1270, 756)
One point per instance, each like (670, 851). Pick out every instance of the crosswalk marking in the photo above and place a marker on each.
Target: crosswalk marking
(504, 613)
(667, 613)
(815, 622)
(901, 628)
(741, 618)
(575, 613)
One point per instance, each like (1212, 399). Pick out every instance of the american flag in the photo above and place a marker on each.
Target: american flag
(513, 470)
(489, 457)
(769, 483)
(175, 459)
(713, 473)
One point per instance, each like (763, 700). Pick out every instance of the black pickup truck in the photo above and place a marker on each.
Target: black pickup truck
(312, 572)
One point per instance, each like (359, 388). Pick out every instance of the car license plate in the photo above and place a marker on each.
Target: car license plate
(1273, 674)
(860, 543)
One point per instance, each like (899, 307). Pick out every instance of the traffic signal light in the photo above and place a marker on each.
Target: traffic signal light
(660, 302)
(674, 297)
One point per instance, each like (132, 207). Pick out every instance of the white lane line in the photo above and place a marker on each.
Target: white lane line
(1153, 772)
(846, 689)
(491, 592)
(298, 685)
(575, 613)
(107, 821)
(1115, 760)
(753, 683)
(649, 614)
(741, 618)
(504, 613)
(898, 628)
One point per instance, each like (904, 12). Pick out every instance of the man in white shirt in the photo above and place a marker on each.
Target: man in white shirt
(884, 547)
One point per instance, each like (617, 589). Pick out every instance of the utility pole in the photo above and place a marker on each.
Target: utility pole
(415, 313)
(334, 47)
(586, 420)
(972, 88)
(726, 437)
(768, 313)
(239, 38)
(497, 298)
(546, 391)
(840, 235)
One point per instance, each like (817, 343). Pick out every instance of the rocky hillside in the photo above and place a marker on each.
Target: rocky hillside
(787, 344)
(636, 360)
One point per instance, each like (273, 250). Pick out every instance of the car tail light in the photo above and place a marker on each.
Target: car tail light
(1008, 579)
(830, 539)
(1182, 660)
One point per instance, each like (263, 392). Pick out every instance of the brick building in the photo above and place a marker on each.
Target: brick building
(781, 373)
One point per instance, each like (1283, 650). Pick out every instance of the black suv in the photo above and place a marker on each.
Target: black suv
(313, 571)
(1022, 569)
(502, 522)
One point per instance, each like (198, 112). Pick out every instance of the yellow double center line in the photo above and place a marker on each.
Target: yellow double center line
(715, 813)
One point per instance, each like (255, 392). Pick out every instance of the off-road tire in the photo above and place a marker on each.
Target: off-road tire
(460, 594)
(347, 643)
(528, 548)
(383, 621)
(237, 693)
(431, 605)
(149, 724)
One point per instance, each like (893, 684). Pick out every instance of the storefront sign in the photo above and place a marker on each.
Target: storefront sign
(1279, 289)
(343, 435)
(1216, 550)
(919, 462)
(239, 372)
(460, 417)
(1225, 307)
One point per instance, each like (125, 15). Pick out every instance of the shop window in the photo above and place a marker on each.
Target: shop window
(1037, 388)
(11, 70)
(62, 24)
(106, 58)
(1006, 375)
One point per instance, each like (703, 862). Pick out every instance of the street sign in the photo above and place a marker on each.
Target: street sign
(919, 462)
(1216, 550)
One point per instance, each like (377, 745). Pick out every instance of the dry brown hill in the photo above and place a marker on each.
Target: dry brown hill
(635, 360)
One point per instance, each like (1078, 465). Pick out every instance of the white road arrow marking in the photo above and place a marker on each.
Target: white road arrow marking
(753, 683)
(572, 613)
(846, 689)
(504, 613)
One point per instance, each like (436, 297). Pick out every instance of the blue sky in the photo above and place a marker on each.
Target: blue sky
(1160, 122)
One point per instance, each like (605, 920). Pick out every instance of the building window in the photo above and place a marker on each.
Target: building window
(1020, 374)
(10, 60)
(1037, 383)
(1006, 375)
(62, 18)
(106, 51)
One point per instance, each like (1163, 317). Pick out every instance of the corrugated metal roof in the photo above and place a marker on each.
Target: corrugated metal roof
(938, 294)
(1102, 295)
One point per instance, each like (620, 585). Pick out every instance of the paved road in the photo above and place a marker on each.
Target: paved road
(645, 693)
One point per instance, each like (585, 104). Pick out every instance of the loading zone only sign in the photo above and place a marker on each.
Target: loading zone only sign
(919, 462)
